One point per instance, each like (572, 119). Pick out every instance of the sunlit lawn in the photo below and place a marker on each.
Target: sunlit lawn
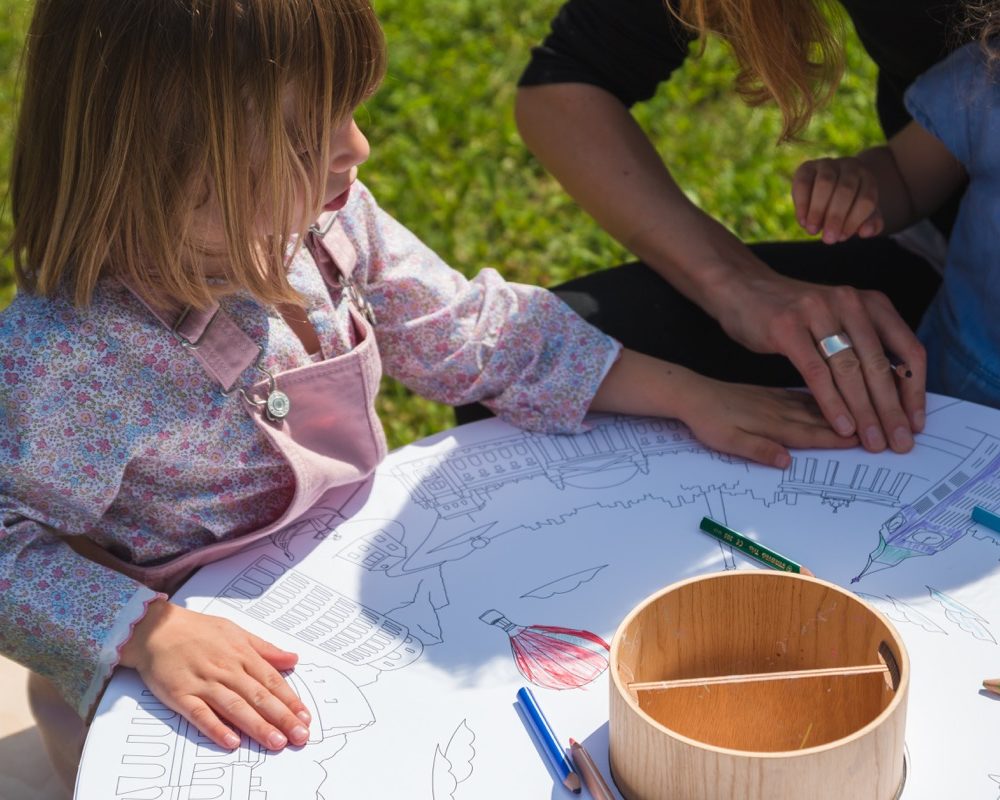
(448, 162)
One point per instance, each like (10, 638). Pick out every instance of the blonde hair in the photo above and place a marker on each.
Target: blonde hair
(787, 51)
(134, 112)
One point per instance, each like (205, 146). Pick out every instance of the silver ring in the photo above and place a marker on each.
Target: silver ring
(834, 344)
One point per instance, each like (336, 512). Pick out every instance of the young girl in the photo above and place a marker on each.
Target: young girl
(189, 364)
(953, 140)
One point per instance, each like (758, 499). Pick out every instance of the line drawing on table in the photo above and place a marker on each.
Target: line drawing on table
(899, 611)
(551, 656)
(432, 552)
(296, 604)
(808, 475)
(609, 454)
(453, 765)
(590, 538)
(563, 585)
(963, 616)
(319, 521)
(941, 515)
(166, 758)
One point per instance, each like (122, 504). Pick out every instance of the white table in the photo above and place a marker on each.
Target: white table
(397, 600)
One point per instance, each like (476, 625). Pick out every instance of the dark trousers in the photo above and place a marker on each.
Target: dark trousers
(645, 313)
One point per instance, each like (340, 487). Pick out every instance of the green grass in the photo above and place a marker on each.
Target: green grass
(448, 163)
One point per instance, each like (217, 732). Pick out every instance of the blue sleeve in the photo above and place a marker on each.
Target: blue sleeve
(948, 98)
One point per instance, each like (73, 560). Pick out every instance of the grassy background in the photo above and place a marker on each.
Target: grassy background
(447, 160)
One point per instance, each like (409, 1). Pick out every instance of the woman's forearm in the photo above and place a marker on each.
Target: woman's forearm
(589, 141)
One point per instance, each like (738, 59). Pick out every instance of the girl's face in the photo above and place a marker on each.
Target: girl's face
(348, 149)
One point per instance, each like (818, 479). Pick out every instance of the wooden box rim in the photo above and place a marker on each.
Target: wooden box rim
(901, 691)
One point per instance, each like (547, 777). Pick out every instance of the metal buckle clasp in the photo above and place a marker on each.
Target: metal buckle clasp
(276, 405)
(321, 232)
(355, 296)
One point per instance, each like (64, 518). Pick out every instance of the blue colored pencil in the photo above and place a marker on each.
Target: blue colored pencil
(987, 518)
(547, 738)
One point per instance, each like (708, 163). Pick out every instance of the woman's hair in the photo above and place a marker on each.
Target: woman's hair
(135, 112)
(787, 51)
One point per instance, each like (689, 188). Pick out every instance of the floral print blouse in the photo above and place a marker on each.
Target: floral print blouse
(110, 430)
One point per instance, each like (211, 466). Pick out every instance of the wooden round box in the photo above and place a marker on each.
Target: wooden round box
(757, 685)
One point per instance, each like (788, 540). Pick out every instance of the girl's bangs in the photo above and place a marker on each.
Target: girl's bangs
(338, 61)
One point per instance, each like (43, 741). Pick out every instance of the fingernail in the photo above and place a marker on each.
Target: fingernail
(830, 237)
(902, 437)
(232, 741)
(304, 716)
(783, 461)
(919, 419)
(873, 437)
(276, 741)
(300, 733)
(843, 425)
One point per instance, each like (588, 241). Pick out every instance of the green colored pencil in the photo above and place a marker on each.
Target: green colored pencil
(748, 547)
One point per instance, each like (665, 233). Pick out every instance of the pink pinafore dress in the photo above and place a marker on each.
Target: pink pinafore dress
(320, 417)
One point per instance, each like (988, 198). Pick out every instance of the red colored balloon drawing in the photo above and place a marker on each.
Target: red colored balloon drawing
(553, 657)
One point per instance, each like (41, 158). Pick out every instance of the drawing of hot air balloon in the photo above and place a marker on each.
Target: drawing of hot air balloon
(553, 657)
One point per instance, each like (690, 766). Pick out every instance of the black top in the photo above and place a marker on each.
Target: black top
(628, 47)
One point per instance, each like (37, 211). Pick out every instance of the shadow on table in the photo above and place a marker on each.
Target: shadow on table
(517, 535)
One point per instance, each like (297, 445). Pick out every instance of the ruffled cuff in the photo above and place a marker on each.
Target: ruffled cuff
(111, 648)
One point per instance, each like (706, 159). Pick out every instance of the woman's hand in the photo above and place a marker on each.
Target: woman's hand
(213, 672)
(838, 197)
(756, 422)
(858, 390)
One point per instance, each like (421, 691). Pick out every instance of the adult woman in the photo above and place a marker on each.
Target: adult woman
(772, 313)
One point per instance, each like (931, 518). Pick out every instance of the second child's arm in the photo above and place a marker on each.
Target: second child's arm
(754, 422)
(881, 190)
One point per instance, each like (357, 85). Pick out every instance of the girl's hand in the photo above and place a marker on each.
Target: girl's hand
(749, 421)
(757, 423)
(211, 671)
(838, 196)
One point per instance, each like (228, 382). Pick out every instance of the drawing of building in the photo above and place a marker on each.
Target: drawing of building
(314, 613)
(166, 758)
(460, 482)
(378, 551)
(941, 515)
(838, 486)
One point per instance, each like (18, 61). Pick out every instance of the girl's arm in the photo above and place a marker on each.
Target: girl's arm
(749, 421)
(521, 351)
(927, 170)
(70, 427)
